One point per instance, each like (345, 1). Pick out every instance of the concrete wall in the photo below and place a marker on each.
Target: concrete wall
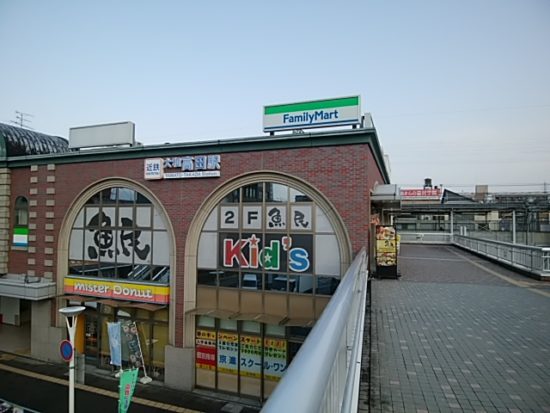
(9, 309)
(44, 338)
(179, 371)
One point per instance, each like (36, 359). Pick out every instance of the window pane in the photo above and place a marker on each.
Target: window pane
(297, 196)
(232, 197)
(304, 284)
(206, 321)
(206, 277)
(251, 281)
(126, 196)
(326, 285)
(276, 192)
(253, 192)
(229, 279)
(251, 327)
(228, 325)
(273, 330)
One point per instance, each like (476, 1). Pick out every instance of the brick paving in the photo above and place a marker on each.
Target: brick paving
(458, 334)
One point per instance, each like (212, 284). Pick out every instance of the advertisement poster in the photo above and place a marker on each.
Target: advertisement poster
(386, 251)
(205, 350)
(251, 356)
(274, 358)
(228, 352)
(131, 349)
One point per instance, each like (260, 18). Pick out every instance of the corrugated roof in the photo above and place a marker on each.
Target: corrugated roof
(16, 141)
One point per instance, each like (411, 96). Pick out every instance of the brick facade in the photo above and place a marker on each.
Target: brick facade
(344, 174)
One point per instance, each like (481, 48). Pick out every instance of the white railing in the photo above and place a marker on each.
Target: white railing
(425, 237)
(525, 257)
(324, 375)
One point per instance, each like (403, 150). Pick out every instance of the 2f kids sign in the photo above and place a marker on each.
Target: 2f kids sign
(199, 166)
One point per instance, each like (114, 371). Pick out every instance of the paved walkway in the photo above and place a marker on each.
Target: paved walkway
(458, 333)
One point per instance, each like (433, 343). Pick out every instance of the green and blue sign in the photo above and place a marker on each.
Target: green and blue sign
(313, 114)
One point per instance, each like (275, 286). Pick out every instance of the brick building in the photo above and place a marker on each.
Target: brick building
(222, 254)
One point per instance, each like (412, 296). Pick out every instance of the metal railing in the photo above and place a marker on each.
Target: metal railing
(525, 257)
(324, 376)
(425, 237)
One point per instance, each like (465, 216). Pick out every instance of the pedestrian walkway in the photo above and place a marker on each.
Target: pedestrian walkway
(458, 333)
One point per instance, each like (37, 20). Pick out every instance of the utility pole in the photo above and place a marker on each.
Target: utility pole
(22, 119)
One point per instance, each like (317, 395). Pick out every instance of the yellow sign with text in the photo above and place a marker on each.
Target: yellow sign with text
(148, 293)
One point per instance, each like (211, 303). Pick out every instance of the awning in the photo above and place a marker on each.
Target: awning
(212, 312)
(114, 303)
(79, 298)
(146, 306)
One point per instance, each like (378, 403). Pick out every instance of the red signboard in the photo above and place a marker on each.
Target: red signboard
(205, 349)
(424, 193)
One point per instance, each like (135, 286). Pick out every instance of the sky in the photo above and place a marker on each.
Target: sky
(459, 90)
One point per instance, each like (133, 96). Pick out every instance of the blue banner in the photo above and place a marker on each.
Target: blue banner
(115, 343)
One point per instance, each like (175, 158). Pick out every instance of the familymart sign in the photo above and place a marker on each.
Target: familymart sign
(313, 114)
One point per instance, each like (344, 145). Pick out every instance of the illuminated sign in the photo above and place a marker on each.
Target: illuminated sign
(313, 114)
(148, 293)
(199, 166)
(421, 194)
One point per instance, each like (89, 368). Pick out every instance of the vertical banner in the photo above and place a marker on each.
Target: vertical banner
(115, 344)
(128, 380)
(130, 340)
(275, 355)
(250, 362)
(205, 350)
(228, 352)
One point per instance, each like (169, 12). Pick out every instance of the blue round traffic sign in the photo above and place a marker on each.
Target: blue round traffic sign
(66, 350)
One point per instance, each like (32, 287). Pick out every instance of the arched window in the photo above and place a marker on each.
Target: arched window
(119, 234)
(269, 236)
(21, 225)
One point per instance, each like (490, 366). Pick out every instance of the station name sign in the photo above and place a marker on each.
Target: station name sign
(313, 114)
(177, 167)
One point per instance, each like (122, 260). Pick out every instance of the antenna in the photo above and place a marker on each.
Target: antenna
(22, 119)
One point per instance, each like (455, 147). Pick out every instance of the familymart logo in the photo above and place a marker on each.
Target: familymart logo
(313, 114)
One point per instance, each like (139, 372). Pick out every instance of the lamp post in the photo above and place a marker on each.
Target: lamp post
(71, 314)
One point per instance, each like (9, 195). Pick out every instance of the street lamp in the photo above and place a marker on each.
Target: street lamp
(71, 314)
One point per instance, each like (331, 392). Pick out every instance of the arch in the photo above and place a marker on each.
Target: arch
(71, 215)
(193, 235)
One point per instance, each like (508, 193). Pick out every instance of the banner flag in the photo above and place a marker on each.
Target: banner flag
(128, 380)
(115, 343)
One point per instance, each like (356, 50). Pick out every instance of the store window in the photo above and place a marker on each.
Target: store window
(268, 236)
(120, 234)
(21, 225)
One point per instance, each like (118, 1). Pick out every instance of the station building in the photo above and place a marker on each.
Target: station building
(224, 253)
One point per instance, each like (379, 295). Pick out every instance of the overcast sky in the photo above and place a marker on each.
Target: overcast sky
(459, 91)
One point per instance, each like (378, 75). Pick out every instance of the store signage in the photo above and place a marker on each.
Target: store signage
(274, 358)
(421, 194)
(205, 350)
(250, 363)
(228, 352)
(199, 166)
(248, 252)
(148, 293)
(313, 114)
